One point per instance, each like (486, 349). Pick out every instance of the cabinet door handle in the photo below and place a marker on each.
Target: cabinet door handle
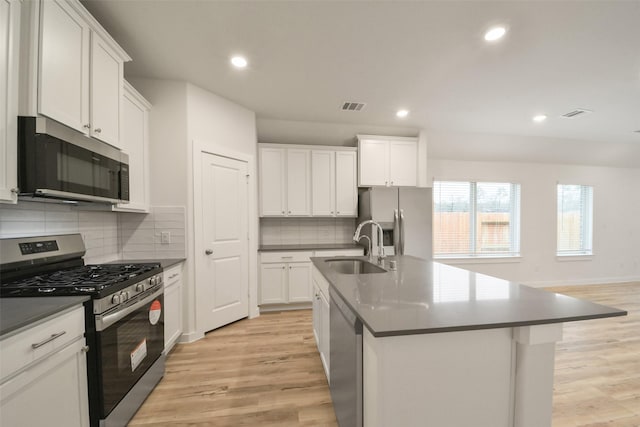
(98, 130)
(48, 340)
(391, 182)
(283, 212)
(208, 252)
(173, 275)
(289, 211)
(87, 126)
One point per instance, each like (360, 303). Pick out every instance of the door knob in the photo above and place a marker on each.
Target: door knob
(208, 252)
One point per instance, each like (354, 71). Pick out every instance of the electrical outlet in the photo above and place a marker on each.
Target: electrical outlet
(165, 237)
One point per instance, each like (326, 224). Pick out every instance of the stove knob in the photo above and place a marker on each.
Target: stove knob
(156, 280)
(115, 299)
(124, 296)
(150, 281)
(140, 287)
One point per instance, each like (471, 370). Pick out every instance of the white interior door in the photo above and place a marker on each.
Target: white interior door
(223, 264)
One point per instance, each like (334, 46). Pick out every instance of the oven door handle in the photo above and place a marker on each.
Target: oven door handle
(104, 321)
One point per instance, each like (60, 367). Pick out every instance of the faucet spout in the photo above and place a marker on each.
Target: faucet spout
(356, 238)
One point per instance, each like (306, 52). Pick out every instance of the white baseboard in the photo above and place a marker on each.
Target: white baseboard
(190, 337)
(285, 307)
(582, 282)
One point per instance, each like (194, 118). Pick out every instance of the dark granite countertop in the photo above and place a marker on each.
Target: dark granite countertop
(17, 313)
(308, 247)
(423, 297)
(164, 263)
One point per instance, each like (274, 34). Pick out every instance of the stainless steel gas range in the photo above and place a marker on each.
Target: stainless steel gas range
(124, 319)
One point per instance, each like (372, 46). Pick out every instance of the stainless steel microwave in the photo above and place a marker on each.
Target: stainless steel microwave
(57, 162)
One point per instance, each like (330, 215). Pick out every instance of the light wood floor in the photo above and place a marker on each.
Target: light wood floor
(597, 375)
(267, 372)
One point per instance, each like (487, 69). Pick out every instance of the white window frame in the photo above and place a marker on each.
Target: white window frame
(586, 208)
(514, 254)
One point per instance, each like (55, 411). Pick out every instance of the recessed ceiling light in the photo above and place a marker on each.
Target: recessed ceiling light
(539, 118)
(402, 113)
(239, 61)
(495, 33)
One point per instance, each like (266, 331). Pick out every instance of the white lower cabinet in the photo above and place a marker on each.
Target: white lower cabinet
(321, 324)
(285, 277)
(46, 385)
(172, 306)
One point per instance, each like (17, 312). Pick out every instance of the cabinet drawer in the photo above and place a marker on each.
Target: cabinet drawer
(18, 351)
(340, 252)
(172, 275)
(293, 256)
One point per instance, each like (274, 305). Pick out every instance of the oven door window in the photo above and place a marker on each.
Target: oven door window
(127, 349)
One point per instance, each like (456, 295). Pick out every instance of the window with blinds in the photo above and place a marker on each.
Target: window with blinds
(575, 220)
(476, 219)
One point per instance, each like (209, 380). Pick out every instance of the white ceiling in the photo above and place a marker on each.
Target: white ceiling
(307, 57)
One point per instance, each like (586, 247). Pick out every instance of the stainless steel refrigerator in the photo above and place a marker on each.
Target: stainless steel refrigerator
(405, 216)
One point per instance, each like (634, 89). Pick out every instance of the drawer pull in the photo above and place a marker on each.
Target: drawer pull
(286, 257)
(173, 275)
(47, 340)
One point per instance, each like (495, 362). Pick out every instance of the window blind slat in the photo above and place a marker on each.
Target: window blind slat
(575, 205)
(476, 218)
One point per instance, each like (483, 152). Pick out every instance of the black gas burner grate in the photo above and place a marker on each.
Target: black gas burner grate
(86, 279)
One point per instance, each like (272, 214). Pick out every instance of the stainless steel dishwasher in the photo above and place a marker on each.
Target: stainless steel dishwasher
(345, 363)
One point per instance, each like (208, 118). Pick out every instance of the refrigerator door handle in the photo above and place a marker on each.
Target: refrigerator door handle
(396, 232)
(401, 242)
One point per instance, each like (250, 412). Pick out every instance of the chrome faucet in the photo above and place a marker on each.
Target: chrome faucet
(356, 238)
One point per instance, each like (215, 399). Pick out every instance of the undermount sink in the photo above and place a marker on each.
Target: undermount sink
(354, 266)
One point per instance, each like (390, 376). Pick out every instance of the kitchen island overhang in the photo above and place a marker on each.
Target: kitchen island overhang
(449, 347)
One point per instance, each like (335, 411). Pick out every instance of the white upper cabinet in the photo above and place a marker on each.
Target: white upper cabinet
(63, 87)
(135, 143)
(308, 180)
(374, 162)
(333, 177)
(323, 179)
(346, 183)
(9, 59)
(285, 181)
(298, 182)
(79, 70)
(106, 91)
(387, 161)
(403, 163)
(272, 181)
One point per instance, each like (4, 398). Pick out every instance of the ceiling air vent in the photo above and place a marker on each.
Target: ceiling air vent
(353, 106)
(576, 112)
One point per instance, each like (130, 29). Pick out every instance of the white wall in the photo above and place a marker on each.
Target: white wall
(319, 133)
(217, 125)
(167, 139)
(181, 114)
(616, 234)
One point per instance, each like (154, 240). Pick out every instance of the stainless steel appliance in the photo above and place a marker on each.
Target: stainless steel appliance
(405, 216)
(124, 319)
(57, 162)
(345, 348)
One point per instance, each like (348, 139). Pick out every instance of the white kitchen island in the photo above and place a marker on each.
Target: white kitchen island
(446, 347)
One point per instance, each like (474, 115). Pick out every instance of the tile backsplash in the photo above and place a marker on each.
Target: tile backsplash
(282, 231)
(141, 235)
(107, 235)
